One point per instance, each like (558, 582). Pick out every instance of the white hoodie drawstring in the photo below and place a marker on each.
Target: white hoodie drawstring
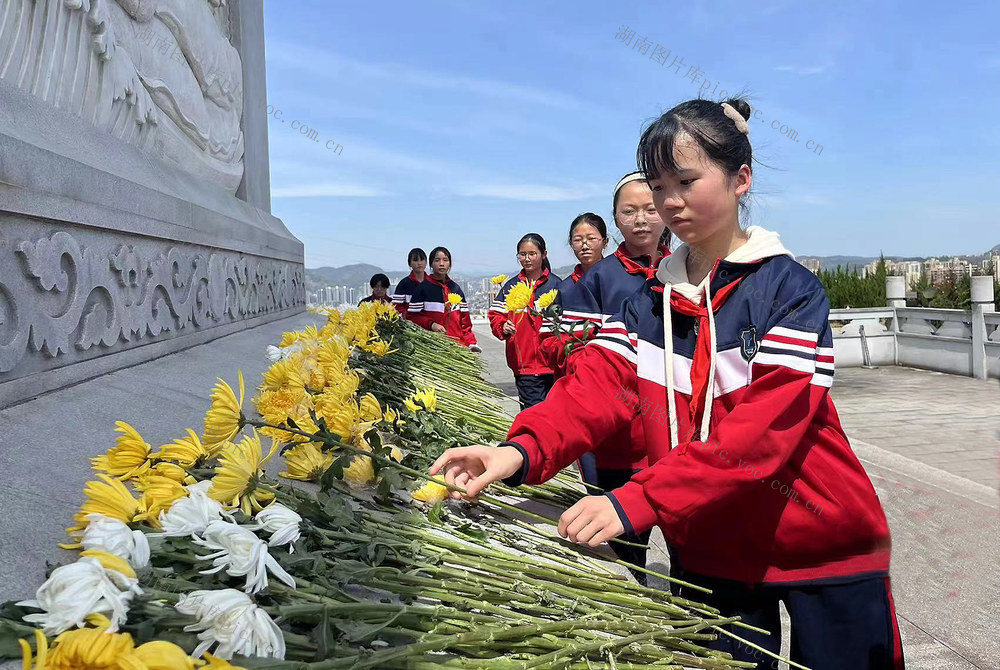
(668, 364)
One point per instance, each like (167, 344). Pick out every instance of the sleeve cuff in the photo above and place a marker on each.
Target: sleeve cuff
(521, 476)
(634, 510)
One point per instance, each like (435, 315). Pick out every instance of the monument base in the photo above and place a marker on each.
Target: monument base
(109, 257)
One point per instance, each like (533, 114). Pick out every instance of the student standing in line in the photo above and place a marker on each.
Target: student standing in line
(598, 297)
(519, 331)
(407, 286)
(588, 237)
(380, 289)
(439, 303)
(752, 478)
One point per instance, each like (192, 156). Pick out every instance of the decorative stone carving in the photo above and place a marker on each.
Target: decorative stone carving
(63, 299)
(158, 74)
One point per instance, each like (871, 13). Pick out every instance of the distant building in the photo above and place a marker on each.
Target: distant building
(996, 267)
(911, 270)
(811, 264)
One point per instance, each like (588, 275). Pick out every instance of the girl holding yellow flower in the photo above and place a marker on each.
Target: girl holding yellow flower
(439, 303)
(518, 328)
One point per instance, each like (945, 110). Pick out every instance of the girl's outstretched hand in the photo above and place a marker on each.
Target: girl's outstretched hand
(476, 467)
(593, 520)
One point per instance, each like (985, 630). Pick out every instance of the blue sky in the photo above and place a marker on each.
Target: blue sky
(469, 124)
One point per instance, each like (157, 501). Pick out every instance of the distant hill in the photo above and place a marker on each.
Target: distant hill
(346, 275)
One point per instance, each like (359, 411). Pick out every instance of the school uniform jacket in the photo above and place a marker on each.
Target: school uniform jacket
(751, 476)
(552, 347)
(596, 298)
(403, 293)
(430, 305)
(524, 356)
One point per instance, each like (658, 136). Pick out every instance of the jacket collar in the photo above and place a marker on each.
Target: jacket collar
(639, 265)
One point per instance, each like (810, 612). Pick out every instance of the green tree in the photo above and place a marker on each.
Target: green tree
(845, 287)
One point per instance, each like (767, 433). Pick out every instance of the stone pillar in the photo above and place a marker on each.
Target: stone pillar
(246, 21)
(895, 296)
(982, 302)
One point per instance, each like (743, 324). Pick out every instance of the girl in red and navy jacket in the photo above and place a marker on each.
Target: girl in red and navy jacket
(597, 297)
(532, 374)
(432, 308)
(728, 363)
(407, 286)
(588, 237)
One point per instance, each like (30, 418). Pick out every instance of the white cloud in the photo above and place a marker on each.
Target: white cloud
(327, 190)
(531, 192)
(804, 69)
(397, 75)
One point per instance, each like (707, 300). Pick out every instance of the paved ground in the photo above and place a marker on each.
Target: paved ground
(928, 441)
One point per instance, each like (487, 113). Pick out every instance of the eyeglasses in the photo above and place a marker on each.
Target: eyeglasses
(521, 255)
(629, 216)
(591, 241)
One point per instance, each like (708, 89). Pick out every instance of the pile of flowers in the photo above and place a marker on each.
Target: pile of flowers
(196, 555)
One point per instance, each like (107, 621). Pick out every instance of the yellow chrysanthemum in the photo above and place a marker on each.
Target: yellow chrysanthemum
(518, 297)
(360, 472)
(378, 347)
(237, 477)
(333, 318)
(285, 373)
(108, 497)
(341, 386)
(422, 400)
(188, 452)
(306, 462)
(83, 649)
(454, 299)
(128, 458)
(224, 418)
(431, 493)
(164, 470)
(390, 415)
(547, 299)
(498, 280)
(396, 454)
(340, 416)
(158, 494)
(276, 407)
(370, 409)
(162, 655)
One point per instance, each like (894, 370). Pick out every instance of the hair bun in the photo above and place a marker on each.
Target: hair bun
(741, 106)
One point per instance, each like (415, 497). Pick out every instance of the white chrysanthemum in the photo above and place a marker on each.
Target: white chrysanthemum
(111, 535)
(240, 553)
(192, 514)
(274, 354)
(230, 620)
(281, 522)
(85, 587)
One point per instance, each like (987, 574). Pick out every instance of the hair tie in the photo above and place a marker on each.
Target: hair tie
(630, 177)
(741, 123)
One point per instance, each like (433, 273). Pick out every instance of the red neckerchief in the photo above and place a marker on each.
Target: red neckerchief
(413, 277)
(702, 347)
(577, 273)
(634, 266)
(444, 288)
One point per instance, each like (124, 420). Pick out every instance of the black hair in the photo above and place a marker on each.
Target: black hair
(416, 254)
(591, 218)
(539, 242)
(665, 236)
(705, 122)
(379, 280)
(436, 250)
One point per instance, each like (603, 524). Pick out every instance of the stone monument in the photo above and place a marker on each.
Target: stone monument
(134, 186)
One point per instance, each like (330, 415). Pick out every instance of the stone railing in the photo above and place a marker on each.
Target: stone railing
(946, 340)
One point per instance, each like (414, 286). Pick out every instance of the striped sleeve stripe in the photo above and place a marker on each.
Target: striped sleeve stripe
(593, 316)
(786, 359)
(808, 337)
(822, 380)
(788, 344)
(622, 350)
(618, 330)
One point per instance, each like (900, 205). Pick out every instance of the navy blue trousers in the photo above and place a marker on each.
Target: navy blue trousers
(532, 389)
(842, 626)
